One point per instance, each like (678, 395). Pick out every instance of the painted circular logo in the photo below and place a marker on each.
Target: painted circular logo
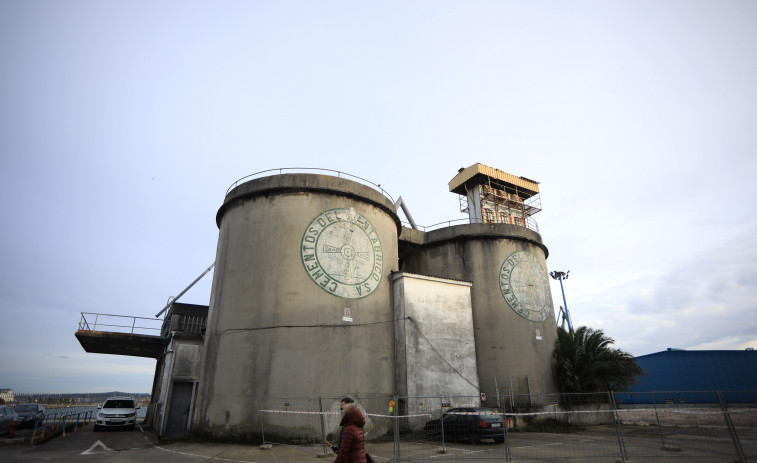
(342, 253)
(524, 286)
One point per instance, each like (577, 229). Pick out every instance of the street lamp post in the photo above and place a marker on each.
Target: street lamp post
(560, 276)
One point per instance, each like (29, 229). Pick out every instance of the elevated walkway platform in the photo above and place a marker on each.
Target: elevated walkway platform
(121, 335)
(136, 345)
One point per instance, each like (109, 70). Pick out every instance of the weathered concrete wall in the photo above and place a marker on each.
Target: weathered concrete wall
(514, 337)
(435, 352)
(180, 362)
(294, 252)
(436, 355)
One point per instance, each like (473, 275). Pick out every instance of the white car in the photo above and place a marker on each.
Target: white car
(117, 412)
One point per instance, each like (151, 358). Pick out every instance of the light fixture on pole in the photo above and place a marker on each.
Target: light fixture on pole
(560, 276)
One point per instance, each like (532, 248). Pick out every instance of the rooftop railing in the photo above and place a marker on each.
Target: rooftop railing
(529, 223)
(335, 173)
(119, 324)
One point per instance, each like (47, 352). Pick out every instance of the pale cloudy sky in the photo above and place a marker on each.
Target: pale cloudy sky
(122, 124)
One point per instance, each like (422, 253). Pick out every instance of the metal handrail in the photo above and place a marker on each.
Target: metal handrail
(87, 325)
(529, 223)
(338, 173)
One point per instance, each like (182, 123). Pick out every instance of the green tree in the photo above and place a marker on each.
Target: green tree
(586, 362)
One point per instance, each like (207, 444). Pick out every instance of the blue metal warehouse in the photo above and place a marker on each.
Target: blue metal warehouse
(681, 376)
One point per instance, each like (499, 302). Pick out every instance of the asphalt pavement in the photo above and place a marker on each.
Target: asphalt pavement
(137, 446)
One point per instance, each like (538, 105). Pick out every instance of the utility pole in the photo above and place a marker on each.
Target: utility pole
(560, 276)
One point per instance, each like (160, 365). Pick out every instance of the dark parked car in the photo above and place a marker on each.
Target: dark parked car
(29, 414)
(7, 416)
(469, 424)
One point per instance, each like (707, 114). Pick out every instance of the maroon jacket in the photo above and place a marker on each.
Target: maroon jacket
(351, 448)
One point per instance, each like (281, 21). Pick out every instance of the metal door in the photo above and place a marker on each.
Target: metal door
(178, 412)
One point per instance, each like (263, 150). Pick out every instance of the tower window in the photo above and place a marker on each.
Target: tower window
(488, 216)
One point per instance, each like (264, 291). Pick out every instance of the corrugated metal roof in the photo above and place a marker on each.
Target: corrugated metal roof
(456, 185)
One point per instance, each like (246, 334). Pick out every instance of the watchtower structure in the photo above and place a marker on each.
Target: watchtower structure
(489, 195)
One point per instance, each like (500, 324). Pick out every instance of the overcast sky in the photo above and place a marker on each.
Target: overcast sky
(122, 124)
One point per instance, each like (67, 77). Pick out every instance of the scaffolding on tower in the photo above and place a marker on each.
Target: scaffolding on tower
(489, 195)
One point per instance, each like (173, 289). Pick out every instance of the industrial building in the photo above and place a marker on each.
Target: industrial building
(677, 376)
(321, 290)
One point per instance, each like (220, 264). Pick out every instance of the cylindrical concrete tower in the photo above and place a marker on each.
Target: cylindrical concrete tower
(301, 298)
(513, 317)
(504, 257)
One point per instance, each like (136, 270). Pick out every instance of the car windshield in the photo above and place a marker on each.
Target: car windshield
(119, 404)
(25, 408)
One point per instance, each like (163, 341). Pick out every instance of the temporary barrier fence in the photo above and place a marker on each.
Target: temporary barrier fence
(555, 428)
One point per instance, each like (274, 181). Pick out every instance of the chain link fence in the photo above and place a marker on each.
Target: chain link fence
(700, 427)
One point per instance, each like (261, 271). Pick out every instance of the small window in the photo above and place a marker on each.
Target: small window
(503, 218)
(488, 215)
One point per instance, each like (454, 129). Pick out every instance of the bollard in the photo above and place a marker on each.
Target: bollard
(13, 430)
(63, 421)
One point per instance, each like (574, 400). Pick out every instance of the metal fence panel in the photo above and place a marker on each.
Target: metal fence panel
(680, 426)
(397, 429)
(684, 426)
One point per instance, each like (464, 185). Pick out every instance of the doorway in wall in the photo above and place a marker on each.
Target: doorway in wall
(178, 411)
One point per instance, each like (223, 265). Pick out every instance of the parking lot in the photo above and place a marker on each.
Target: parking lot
(136, 446)
(140, 447)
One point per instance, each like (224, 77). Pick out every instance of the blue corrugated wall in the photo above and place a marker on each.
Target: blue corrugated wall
(681, 376)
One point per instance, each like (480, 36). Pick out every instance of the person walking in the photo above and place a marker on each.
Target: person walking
(350, 447)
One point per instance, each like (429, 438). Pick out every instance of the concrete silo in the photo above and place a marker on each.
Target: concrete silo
(301, 299)
(504, 258)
